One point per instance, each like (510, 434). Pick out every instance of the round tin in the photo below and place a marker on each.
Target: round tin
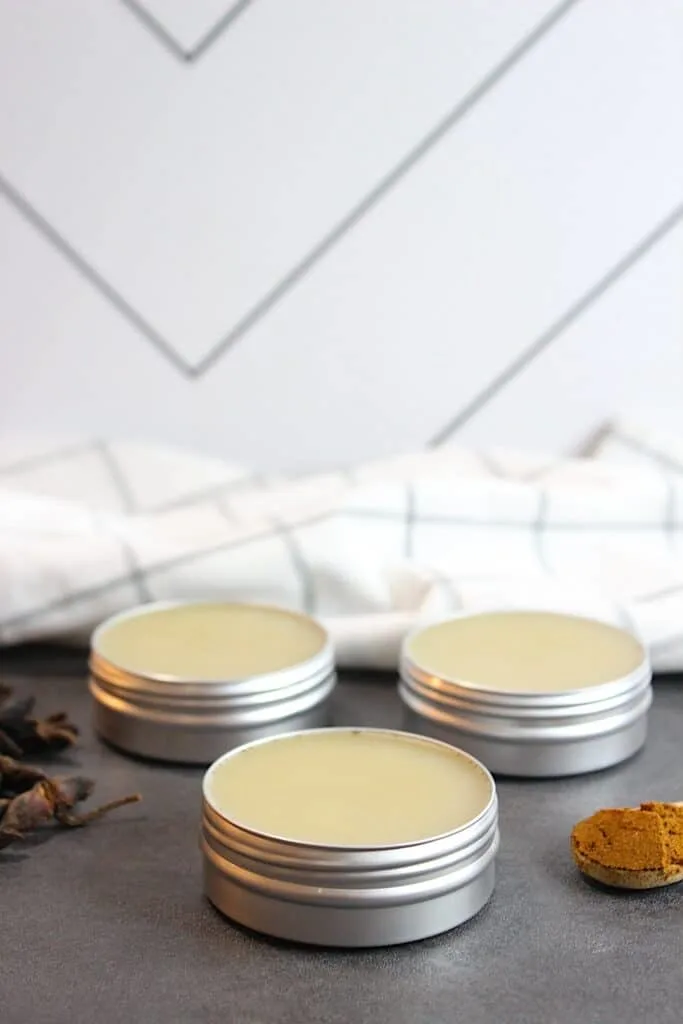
(193, 721)
(349, 896)
(529, 734)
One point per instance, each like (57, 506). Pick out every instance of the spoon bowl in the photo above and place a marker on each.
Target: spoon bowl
(628, 878)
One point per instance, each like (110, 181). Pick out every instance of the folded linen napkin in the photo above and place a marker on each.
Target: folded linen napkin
(373, 550)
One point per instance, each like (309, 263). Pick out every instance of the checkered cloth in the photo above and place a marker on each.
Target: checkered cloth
(89, 530)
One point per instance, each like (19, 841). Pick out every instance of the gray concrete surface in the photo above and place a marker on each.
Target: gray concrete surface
(109, 926)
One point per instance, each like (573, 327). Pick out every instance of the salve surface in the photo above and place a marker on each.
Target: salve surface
(342, 787)
(211, 641)
(526, 651)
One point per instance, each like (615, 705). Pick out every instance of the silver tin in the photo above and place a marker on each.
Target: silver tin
(535, 735)
(349, 896)
(193, 721)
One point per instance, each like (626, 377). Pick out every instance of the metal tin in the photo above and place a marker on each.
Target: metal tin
(349, 896)
(535, 734)
(194, 721)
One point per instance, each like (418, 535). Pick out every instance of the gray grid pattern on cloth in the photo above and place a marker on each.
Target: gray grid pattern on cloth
(114, 471)
(32, 462)
(300, 566)
(661, 594)
(301, 570)
(539, 529)
(138, 574)
(671, 514)
(118, 478)
(544, 528)
(215, 491)
(410, 515)
(149, 571)
(670, 468)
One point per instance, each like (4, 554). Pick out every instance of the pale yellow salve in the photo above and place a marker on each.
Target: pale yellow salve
(346, 787)
(210, 641)
(526, 651)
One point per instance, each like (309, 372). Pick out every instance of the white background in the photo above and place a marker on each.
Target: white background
(201, 242)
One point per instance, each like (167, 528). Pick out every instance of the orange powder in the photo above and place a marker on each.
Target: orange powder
(647, 838)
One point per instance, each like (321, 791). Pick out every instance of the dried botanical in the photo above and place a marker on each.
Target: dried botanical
(30, 799)
(22, 734)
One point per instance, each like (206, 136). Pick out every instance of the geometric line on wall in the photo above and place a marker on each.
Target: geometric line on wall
(43, 226)
(322, 248)
(558, 327)
(169, 41)
(388, 183)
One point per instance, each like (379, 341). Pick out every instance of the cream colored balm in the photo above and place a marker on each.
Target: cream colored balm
(526, 652)
(349, 788)
(209, 642)
(349, 837)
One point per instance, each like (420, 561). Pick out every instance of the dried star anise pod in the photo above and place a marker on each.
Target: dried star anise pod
(16, 778)
(21, 734)
(30, 799)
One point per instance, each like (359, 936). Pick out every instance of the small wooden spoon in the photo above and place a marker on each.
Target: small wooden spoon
(627, 878)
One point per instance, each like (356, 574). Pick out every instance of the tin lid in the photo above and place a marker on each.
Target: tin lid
(349, 787)
(525, 662)
(235, 653)
(365, 869)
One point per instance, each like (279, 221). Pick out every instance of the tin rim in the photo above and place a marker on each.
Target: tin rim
(164, 685)
(350, 884)
(229, 825)
(518, 700)
(531, 726)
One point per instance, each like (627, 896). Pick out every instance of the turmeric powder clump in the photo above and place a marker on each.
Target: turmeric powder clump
(671, 816)
(634, 847)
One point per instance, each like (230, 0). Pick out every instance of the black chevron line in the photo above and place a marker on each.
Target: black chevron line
(389, 182)
(556, 329)
(167, 40)
(301, 269)
(34, 217)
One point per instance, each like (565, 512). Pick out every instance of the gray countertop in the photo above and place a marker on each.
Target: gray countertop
(110, 925)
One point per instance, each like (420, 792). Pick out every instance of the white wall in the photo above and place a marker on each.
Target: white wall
(305, 232)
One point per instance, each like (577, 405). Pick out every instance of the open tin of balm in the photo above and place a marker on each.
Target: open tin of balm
(186, 682)
(530, 693)
(349, 837)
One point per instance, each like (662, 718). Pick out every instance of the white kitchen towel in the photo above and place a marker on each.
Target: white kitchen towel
(373, 550)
